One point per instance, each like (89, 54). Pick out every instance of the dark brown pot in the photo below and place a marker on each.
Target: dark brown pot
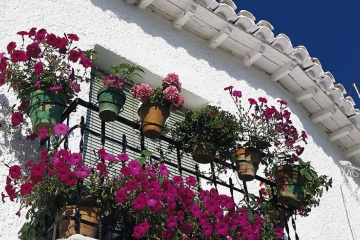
(202, 154)
(247, 163)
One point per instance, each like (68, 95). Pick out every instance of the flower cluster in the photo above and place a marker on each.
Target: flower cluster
(269, 128)
(168, 94)
(44, 61)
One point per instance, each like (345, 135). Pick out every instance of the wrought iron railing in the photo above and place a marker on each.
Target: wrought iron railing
(119, 231)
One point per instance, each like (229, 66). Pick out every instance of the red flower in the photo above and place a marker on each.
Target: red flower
(86, 62)
(15, 171)
(61, 42)
(23, 33)
(44, 155)
(74, 55)
(16, 118)
(101, 166)
(26, 188)
(72, 36)
(23, 106)
(71, 179)
(38, 68)
(51, 39)
(32, 32)
(11, 46)
(18, 56)
(33, 50)
(228, 88)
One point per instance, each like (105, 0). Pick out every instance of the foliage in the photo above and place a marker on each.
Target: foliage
(119, 74)
(167, 94)
(216, 128)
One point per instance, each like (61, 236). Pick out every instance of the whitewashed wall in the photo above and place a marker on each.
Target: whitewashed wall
(150, 41)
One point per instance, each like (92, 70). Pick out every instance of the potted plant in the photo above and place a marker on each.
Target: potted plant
(156, 104)
(111, 97)
(44, 70)
(266, 133)
(49, 190)
(206, 132)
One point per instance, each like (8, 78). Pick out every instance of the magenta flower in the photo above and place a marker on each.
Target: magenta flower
(16, 118)
(282, 102)
(191, 181)
(55, 88)
(141, 91)
(252, 101)
(73, 37)
(279, 232)
(51, 39)
(237, 94)
(61, 129)
(178, 180)
(15, 171)
(101, 166)
(82, 171)
(44, 155)
(262, 100)
(71, 179)
(75, 159)
(135, 167)
(139, 203)
(206, 230)
(121, 195)
(163, 169)
(38, 68)
(33, 50)
(123, 157)
(172, 79)
(141, 229)
(19, 56)
(228, 88)
(186, 228)
(43, 133)
(26, 188)
(11, 46)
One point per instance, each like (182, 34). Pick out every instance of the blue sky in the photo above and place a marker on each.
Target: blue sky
(330, 31)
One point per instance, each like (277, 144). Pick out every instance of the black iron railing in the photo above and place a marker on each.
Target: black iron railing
(119, 230)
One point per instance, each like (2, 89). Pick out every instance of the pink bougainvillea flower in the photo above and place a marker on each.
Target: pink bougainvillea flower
(171, 94)
(43, 133)
(73, 37)
(38, 68)
(82, 171)
(61, 129)
(16, 118)
(237, 93)
(75, 159)
(26, 188)
(15, 171)
(141, 91)
(55, 88)
(123, 157)
(178, 103)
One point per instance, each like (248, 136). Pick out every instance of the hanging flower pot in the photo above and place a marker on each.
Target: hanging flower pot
(111, 100)
(153, 117)
(66, 228)
(288, 184)
(247, 163)
(202, 153)
(45, 109)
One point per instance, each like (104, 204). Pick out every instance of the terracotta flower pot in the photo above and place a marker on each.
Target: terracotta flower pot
(111, 100)
(247, 163)
(45, 109)
(288, 185)
(66, 228)
(153, 118)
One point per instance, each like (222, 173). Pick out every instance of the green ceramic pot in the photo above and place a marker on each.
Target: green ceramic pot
(111, 100)
(45, 109)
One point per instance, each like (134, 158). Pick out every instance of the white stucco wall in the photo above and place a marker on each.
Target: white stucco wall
(150, 41)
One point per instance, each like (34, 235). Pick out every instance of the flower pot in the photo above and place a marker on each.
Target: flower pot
(66, 228)
(111, 100)
(288, 185)
(247, 163)
(45, 109)
(153, 118)
(202, 153)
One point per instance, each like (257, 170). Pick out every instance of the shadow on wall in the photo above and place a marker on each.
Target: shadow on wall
(155, 26)
(13, 142)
